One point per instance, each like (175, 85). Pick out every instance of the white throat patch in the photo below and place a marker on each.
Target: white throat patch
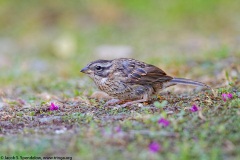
(103, 80)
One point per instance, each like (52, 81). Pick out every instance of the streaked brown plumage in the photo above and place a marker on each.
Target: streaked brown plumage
(130, 79)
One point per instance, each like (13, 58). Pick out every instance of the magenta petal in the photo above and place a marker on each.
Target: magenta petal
(229, 95)
(118, 129)
(164, 122)
(53, 107)
(194, 108)
(224, 97)
(154, 147)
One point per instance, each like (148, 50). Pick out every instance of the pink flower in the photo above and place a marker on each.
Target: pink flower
(163, 122)
(118, 129)
(224, 97)
(194, 108)
(227, 96)
(53, 107)
(154, 147)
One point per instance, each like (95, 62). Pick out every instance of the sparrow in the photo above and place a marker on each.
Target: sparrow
(131, 80)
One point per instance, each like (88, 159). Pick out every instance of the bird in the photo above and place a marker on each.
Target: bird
(130, 80)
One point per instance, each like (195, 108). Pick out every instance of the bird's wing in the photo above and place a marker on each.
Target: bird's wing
(142, 73)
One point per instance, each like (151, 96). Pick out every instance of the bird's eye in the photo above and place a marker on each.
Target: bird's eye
(98, 68)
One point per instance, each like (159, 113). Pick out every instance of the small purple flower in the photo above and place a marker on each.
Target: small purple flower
(154, 147)
(194, 108)
(21, 101)
(53, 107)
(224, 97)
(163, 122)
(229, 95)
(118, 129)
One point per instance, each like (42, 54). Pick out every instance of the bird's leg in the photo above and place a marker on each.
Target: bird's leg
(145, 98)
(112, 102)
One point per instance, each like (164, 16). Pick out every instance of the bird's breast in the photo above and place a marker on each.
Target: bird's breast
(112, 87)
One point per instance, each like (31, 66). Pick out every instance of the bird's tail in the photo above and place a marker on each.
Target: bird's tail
(184, 81)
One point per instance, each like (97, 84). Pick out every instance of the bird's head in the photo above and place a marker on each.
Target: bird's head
(100, 68)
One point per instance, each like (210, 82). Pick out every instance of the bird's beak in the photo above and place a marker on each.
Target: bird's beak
(85, 70)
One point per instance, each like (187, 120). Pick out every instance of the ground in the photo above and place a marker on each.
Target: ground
(82, 127)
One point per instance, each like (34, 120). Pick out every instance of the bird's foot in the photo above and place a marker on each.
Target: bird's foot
(112, 102)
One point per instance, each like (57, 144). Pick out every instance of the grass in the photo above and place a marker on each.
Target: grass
(44, 45)
(82, 126)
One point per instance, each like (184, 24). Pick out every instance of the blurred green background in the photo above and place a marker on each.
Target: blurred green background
(40, 39)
